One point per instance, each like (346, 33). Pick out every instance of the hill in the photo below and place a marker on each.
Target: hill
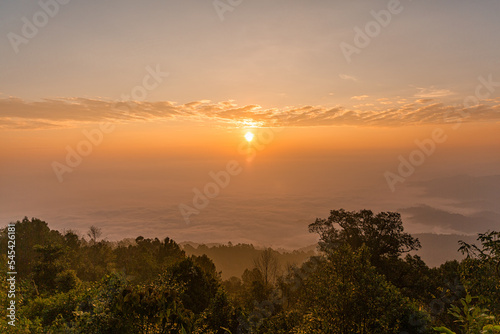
(232, 260)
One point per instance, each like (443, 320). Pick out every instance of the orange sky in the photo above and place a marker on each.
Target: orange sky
(141, 172)
(408, 121)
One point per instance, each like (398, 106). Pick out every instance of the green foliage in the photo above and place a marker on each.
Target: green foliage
(206, 264)
(345, 294)
(490, 329)
(96, 261)
(411, 275)
(384, 240)
(199, 286)
(382, 233)
(490, 246)
(443, 330)
(66, 280)
(472, 318)
(147, 258)
(360, 284)
(219, 318)
(117, 307)
(481, 270)
(48, 310)
(255, 288)
(30, 233)
(47, 266)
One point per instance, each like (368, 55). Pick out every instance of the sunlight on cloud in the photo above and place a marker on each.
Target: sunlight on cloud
(60, 113)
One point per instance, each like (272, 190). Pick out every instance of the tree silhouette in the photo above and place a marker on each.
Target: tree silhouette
(383, 233)
(267, 264)
(94, 233)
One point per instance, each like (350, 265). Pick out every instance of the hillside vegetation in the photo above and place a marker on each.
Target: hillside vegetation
(362, 280)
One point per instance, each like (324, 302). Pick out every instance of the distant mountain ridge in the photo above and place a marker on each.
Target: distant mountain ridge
(439, 248)
(233, 259)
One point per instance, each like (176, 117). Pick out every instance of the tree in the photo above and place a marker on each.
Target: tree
(200, 287)
(481, 269)
(471, 317)
(345, 294)
(144, 259)
(47, 266)
(489, 251)
(96, 260)
(29, 233)
(219, 316)
(267, 264)
(254, 287)
(234, 288)
(412, 276)
(115, 306)
(206, 264)
(94, 233)
(382, 233)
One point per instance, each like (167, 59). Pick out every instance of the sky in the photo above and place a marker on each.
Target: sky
(132, 116)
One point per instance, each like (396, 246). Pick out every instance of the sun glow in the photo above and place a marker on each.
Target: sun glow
(249, 136)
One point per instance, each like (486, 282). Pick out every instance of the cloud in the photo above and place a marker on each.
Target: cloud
(347, 77)
(452, 222)
(432, 92)
(424, 101)
(71, 112)
(359, 97)
(458, 204)
(226, 217)
(463, 187)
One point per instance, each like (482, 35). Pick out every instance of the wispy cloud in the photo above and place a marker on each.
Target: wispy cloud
(347, 77)
(424, 101)
(432, 92)
(359, 97)
(52, 113)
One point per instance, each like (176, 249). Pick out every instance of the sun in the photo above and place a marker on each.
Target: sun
(249, 136)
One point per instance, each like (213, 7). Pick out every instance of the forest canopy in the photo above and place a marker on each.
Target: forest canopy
(361, 279)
